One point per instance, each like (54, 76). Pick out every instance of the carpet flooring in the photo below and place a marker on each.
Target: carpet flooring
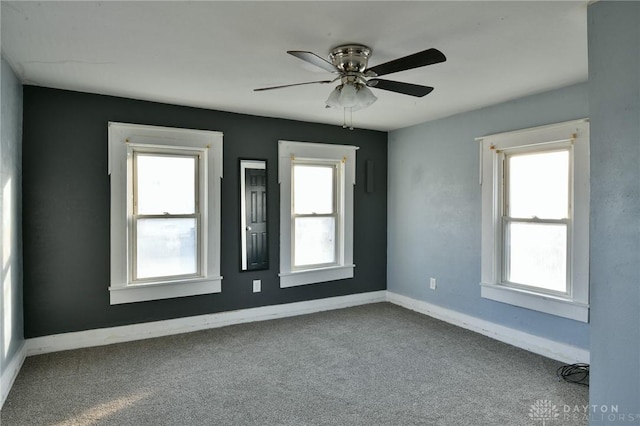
(376, 364)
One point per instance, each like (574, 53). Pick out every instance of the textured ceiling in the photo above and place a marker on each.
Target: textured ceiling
(213, 54)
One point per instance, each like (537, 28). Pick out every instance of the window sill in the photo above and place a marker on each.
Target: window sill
(549, 304)
(164, 290)
(312, 276)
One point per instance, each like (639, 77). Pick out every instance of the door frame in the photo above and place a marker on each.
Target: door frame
(245, 164)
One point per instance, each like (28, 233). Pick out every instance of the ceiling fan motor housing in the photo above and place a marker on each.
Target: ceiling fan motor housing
(350, 58)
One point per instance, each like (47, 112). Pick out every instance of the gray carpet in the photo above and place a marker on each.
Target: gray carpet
(369, 365)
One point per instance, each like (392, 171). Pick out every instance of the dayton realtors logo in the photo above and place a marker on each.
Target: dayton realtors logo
(544, 411)
(548, 413)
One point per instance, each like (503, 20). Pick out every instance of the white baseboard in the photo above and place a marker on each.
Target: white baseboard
(536, 344)
(107, 336)
(11, 372)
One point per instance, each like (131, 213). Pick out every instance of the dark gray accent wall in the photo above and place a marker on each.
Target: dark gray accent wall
(11, 315)
(66, 210)
(614, 104)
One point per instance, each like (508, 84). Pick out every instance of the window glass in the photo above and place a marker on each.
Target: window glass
(165, 184)
(313, 189)
(537, 255)
(314, 241)
(535, 245)
(538, 185)
(166, 247)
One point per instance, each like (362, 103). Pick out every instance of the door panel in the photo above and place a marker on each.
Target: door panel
(256, 219)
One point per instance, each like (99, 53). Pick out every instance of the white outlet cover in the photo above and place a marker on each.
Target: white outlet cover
(257, 286)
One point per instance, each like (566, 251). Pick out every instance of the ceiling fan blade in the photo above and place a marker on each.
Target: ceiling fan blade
(314, 59)
(400, 87)
(417, 60)
(291, 85)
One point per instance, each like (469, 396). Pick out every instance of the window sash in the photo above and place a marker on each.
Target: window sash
(173, 153)
(506, 154)
(135, 217)
(334, 185)
(336, 233)
(336, 214)
(134, 249)
(503, 237)
(506, 260)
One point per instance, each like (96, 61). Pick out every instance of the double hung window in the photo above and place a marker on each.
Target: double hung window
(316, 216)
(535, 218)
(166, 220)
(165, 212)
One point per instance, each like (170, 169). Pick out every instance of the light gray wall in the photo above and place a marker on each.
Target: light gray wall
(435, 206)
(11, 327)
(614, 98)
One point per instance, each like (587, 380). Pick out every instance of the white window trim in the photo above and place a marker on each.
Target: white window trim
(288, 150)
(210, 143)
(575, 305)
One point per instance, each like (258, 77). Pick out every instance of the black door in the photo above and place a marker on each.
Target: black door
(256, 202)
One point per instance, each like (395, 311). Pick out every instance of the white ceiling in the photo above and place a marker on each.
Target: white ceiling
(213, 54)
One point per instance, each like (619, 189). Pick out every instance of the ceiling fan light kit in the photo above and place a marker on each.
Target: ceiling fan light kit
(351, 95)
(350, 62)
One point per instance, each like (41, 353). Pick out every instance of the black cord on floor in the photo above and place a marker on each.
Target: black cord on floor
(574, 373)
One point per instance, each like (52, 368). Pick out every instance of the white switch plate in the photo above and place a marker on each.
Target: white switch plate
(433, 284)
(257, 286)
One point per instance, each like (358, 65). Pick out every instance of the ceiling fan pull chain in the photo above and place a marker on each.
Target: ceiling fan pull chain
(344, 118)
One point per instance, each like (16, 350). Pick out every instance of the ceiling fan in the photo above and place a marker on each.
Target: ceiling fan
(350, 63)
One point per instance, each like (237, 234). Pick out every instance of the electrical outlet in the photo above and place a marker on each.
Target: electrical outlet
(433, 284)
(257, 286)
